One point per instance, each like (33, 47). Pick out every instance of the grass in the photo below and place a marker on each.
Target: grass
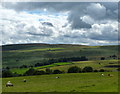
(64, 66)
(30, 54)
(19, 71)
(78, 82)
(33, 50)
(94, 64)
(23, 70)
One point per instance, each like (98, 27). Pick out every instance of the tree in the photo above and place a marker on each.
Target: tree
(102, 58)
(87, 69)
(95, 70)
(31, 71)
(7, 68)
(83, 58)
(101, 70)
(7, 73)
(74, 69)
(57, 72)
(23, 66)
(118, 69)
(48, 71)
(39, 72)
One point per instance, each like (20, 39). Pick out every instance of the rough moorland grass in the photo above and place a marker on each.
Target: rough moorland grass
(78, 82)
(32, 54)
(32, 50)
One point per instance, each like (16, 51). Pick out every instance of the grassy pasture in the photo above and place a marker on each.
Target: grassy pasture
(95, 64)
(23, 70)
(63, 66)
(30, 54)
(78, 82)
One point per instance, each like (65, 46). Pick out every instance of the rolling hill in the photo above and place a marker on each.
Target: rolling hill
(29, 54)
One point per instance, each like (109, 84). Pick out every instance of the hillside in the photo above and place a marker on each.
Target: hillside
(30, 54)
(79, 82)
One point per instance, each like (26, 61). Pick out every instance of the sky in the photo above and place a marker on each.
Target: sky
(82, 23)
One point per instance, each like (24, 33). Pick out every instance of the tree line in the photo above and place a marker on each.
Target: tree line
(31, 71)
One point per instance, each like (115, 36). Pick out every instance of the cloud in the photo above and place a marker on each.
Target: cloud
(47, 23)
(96, 11)
(107, 32)
(66, 23)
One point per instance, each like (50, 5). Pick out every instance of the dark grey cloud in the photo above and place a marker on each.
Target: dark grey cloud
(97, 11)
(36, 34)
(48, 23)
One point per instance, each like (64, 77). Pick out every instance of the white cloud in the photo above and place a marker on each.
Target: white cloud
(88, 19)
(23, 27)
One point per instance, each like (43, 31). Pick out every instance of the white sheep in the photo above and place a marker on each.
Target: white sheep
(9, 84)
(24, 80)
(102, 74)
(57, 77)
(110, 75)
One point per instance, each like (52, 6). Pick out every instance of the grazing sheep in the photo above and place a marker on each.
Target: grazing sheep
(9, 84)
(57, 77)
(24, 80)
(102, 74)
(110, 75)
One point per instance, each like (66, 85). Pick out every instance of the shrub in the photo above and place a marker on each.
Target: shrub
(74, 69)
(48, 71)
(7, 68)
(23, 66)
(7, 73)
(102, 58)
(101, 70)
(16, 74)
(39, 72)
(87, 69)
(118, 69)
(57, 72)
(29, 72)
(95, 70)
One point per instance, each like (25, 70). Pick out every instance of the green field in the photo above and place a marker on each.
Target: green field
(78, 82)
(64, 66)
(30, 54)
(15, 56)
(23, 70)
(94, 64)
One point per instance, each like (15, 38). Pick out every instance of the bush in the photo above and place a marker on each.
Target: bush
(74, 69)
(48, 71)
(87, 69)
(118, 69)
(83, 58)
(31, 71)
(23, 66)
(95, 70)
(102, 58)
(39, 72)
(16, 74)
(7, 68)
(57, 72)
(101, 70)
(7, 73)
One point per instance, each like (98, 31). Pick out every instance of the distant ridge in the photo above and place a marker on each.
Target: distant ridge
(28, 45)
(43, 44)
